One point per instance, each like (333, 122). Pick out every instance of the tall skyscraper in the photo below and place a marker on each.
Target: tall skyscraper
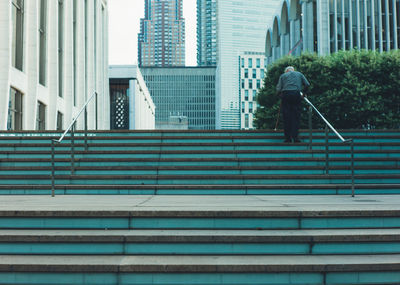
(206, 32)
(161, 41)
(229, 28)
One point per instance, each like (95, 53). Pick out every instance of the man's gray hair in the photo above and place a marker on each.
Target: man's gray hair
(289, 68)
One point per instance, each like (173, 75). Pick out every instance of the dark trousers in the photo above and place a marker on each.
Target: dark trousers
(291, 104)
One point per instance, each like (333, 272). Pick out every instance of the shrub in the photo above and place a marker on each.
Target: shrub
(352, 89)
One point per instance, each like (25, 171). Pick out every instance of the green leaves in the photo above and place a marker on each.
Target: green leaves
(353, 89)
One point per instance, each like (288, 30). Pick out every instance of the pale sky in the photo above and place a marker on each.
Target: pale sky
(124, 26)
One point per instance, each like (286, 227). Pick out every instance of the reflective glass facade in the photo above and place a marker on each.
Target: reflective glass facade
(186, 91)
(225, 30)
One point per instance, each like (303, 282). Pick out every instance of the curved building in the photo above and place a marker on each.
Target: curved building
(326, 26)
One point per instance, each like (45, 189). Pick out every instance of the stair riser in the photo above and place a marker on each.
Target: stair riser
(198, 248)
(199, 223)
(202, 172)
(199, 278)
(156, 163)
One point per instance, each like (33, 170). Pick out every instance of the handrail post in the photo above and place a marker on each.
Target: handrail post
(310, 126)
(86, 129)
(52, 168)
(326, 150)
(72, 149)
(352, 167)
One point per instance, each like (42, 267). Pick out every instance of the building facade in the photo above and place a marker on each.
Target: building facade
(251, 77)
(186, 92)
(206, 32)
(131, 105)
(238, 26)
(326, 26)
(161, 41)
(53, 56)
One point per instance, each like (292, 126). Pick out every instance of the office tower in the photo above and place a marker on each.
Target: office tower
(206, 32)
(326, 26)
(183, 92)
(161, 41)
(240, 26)
(53, 57)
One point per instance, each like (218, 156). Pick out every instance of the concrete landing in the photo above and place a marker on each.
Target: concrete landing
(202, 203)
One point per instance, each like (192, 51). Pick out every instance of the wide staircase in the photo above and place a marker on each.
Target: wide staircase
(217, 207)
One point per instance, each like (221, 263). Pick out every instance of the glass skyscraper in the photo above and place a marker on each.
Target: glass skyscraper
(231, 27)
(161, 41)
(206, 32)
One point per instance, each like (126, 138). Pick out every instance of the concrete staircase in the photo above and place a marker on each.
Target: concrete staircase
(241, 227)
(197, 163)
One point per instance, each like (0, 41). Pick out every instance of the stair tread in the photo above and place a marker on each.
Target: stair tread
(193, 263)
(201, 206)
(210, 236)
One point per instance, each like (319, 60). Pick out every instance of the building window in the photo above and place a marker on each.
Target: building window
(243, 107)
(250, 84)
(17, 18)
(41, 116)
(242, 62)
(254, 73)
(42, 41)
(250, 63)
(246, 95)
(250, 107)
(246, 120)
(262, 73)
(254, 95)
(60, 120)
(258, 63)
(60, 47)
(258, 83)
(14, 121)
(243, 83)
(246, 73)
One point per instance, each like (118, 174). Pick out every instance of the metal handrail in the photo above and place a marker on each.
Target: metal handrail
(71, 128)
(351, 141)
(76, 117)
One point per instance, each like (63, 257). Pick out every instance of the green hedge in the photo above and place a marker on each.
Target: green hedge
(352, 89)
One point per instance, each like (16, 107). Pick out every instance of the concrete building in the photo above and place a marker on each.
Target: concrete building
(183, 92)
(161, 41)
(326, 26)
(238, 26)
(53, 56)
(131, 105)
(251, 75)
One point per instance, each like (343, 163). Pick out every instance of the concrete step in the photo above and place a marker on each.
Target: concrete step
(198, 161)
(200, 242)
(261, 189)
(206, 179)
(199, 170)
(200, 212)
(190, 270)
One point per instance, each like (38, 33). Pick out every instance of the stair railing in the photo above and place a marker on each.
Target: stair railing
(71, 128)
(329, 126)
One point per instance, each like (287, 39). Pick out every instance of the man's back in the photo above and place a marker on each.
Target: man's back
(292, 80)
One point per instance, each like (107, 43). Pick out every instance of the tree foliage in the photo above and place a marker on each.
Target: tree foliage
(352, 89)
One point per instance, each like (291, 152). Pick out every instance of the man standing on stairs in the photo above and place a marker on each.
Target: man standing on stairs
(290, 85)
